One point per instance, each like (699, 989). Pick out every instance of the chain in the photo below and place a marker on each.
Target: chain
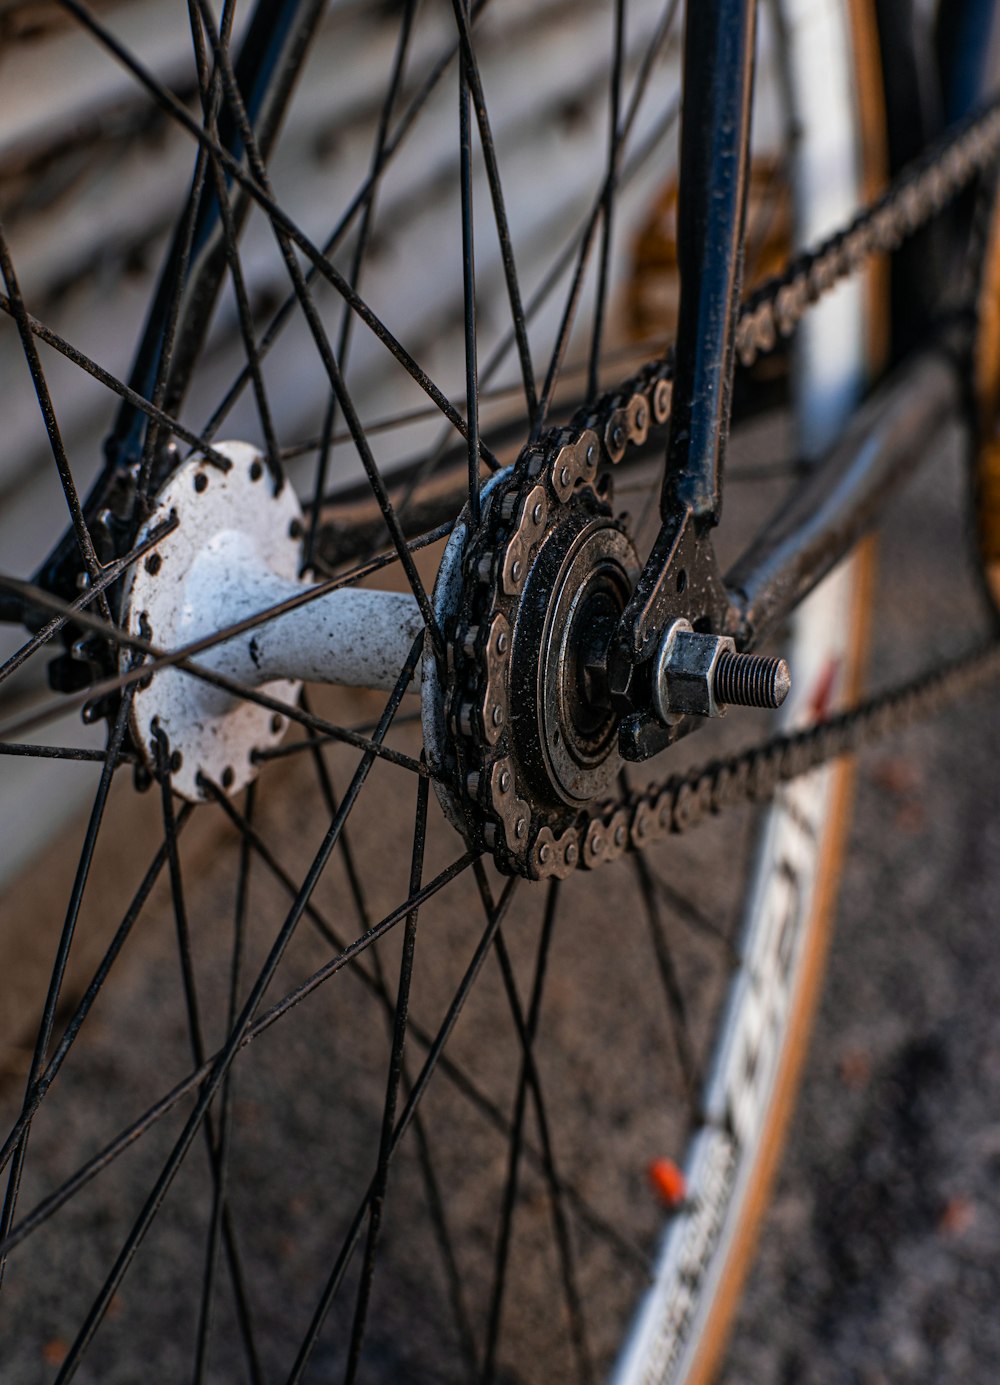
(753, 775)
(568, 467)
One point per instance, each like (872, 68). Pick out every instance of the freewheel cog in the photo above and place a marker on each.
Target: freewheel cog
(565, 733)
(529, 603)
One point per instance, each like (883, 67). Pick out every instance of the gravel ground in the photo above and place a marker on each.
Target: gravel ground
(880, 1257)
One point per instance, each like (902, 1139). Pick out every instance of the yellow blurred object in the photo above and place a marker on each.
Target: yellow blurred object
(986, 378)
(654, 286)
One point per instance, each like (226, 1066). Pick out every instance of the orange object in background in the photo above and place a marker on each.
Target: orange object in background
(655, 284)
(668, 1180)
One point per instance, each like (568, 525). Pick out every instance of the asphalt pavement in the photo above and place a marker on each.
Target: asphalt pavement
(879, 1260)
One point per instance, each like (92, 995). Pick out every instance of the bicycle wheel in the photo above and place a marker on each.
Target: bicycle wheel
(496, 1222)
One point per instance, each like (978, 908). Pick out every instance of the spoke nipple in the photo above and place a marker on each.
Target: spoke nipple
(751, 680)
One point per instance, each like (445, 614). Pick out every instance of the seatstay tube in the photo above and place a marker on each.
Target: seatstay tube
(715, 140)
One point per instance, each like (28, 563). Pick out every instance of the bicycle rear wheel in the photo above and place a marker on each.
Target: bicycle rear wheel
(652, 1013)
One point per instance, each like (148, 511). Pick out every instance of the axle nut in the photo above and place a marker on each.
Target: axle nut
(700, 675)
(684, 673)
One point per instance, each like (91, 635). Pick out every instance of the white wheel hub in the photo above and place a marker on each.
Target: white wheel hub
(234, 553)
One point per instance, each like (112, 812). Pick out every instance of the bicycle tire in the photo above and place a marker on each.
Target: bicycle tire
(711, 1333)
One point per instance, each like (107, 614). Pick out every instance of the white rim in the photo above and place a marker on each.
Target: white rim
(783, 902)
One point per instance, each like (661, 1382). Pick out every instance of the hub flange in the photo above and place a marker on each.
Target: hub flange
(230, 524)
(235, 553)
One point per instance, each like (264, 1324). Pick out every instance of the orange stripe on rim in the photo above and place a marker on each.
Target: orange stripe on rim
(871, 110)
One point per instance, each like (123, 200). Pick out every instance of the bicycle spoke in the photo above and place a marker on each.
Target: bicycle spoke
(673, 993)
(439, 1222)
(109, 575)
(210, 88)
(75, 1023)
(177, 898)
(417, 1091)
(26, 750)
(380, 1181)
(314, 743)
(590, 226)
(166, 422)
(347, 319)
(608, 199)
(195, 1034)
(514, 1147)
(685, 908)
(48, 1018)
(470, 70)
(242, 903)
(553, 1181)
(240, 1032)
(222, 1059)
(17, 309)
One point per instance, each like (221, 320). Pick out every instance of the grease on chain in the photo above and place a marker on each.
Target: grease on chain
(548, 475)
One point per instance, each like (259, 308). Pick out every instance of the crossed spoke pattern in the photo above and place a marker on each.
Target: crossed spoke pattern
(375, 946)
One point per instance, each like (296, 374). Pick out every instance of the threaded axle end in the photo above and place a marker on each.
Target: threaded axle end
(751, 680)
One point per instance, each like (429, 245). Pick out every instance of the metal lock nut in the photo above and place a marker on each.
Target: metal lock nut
(684, 673)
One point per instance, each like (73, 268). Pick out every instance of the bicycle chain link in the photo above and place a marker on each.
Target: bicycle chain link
(572, 462)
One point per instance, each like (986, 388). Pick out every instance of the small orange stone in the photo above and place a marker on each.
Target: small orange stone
(957, 1216)
(55, 1352)
(855, 1068)
(668, 1181)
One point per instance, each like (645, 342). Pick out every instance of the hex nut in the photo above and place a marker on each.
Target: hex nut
(684, 676)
